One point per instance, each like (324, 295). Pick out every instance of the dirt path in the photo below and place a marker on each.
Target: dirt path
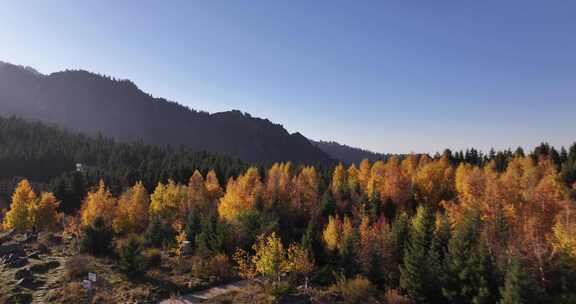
(200, 296)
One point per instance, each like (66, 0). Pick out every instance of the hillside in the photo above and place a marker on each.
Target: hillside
(48, 155)
(92, 104)
(347, 154)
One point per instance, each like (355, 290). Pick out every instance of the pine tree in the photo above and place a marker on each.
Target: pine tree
(414, 279)
(395, 246)
(97, 238)
(130, 257)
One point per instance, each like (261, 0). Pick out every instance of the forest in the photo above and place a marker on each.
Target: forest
(459, 227)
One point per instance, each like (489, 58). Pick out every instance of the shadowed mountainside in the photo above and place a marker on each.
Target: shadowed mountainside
(92, 104)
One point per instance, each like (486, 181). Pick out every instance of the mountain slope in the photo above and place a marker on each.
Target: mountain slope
(91, 103)
(347, 154)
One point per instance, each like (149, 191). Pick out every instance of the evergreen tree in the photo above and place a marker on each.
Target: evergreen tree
(159, 233)
(395, 246)
(414, 278)
(130, 256)
(97, 238)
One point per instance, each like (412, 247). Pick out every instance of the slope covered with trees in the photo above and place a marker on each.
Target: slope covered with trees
(347, 154)
(453, 228)
(47, 156)
(92, 104)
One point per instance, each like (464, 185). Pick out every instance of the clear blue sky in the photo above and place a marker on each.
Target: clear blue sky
(390, 76)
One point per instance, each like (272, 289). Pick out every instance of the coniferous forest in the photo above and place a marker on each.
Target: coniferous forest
(155, 223)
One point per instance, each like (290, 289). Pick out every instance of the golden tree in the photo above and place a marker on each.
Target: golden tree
(20, 217)
(132, 211)
(338, 184)
(331, 234)
(241, 195)
(364, 174)
(213, 188)
(305, 193)
(46, 213)
(98, 203)
(197, 195)
(299, 262)
(269, 256)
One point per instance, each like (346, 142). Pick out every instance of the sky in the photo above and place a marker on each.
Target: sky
(389, 76)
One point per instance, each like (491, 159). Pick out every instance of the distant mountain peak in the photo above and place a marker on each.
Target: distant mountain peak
(92, 103)
(347, 154)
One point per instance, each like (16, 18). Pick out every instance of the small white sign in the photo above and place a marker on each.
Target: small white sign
(87, 284)
(92, 277)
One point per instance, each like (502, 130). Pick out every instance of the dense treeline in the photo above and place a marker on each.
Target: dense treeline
(448, 229)
(48, 157)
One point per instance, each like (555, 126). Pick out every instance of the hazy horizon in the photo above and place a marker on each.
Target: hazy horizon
(396, 78)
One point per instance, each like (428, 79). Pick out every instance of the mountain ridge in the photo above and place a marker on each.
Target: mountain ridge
(91, 103)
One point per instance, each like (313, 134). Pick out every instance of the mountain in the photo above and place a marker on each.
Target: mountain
(95, 104)
(48, 156)
(347, 154)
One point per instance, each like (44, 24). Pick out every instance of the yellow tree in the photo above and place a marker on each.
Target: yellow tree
(132, 211)
(167, 200)
(364, 174)
(338, 184)
(395, 186)
(299, 262)
(278, 183)
(376, 179)
(46, 215)
(197, 195)
(352, 182)
(269, 256)
(20, 217)
(433, 181)
(241, 195)
(98, 203)
(331, 234)
(213, 188)
(305, 193)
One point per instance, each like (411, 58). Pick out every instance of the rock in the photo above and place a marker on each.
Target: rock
(26, 282)
(54, 239)
(13, 261)
(19, 297)
(14, 249)
(23, 273)
(34, 255)
(6, 236)
(41, 248)
(44, 267)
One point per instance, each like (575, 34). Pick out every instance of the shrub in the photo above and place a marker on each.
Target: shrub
(78, 267)
(130, 256)
(159, 233)
(153, 257)
(280, 289)
(220, 267)
(356, 290)
(97, 238)
(392, 296)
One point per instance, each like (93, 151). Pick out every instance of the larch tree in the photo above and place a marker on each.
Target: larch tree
(299, 262)
(269, 256)
(20, 217)
(338, 184)
(132, 211)
(241, 195)
(46, 213)
(98, 203)
(213, 188)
